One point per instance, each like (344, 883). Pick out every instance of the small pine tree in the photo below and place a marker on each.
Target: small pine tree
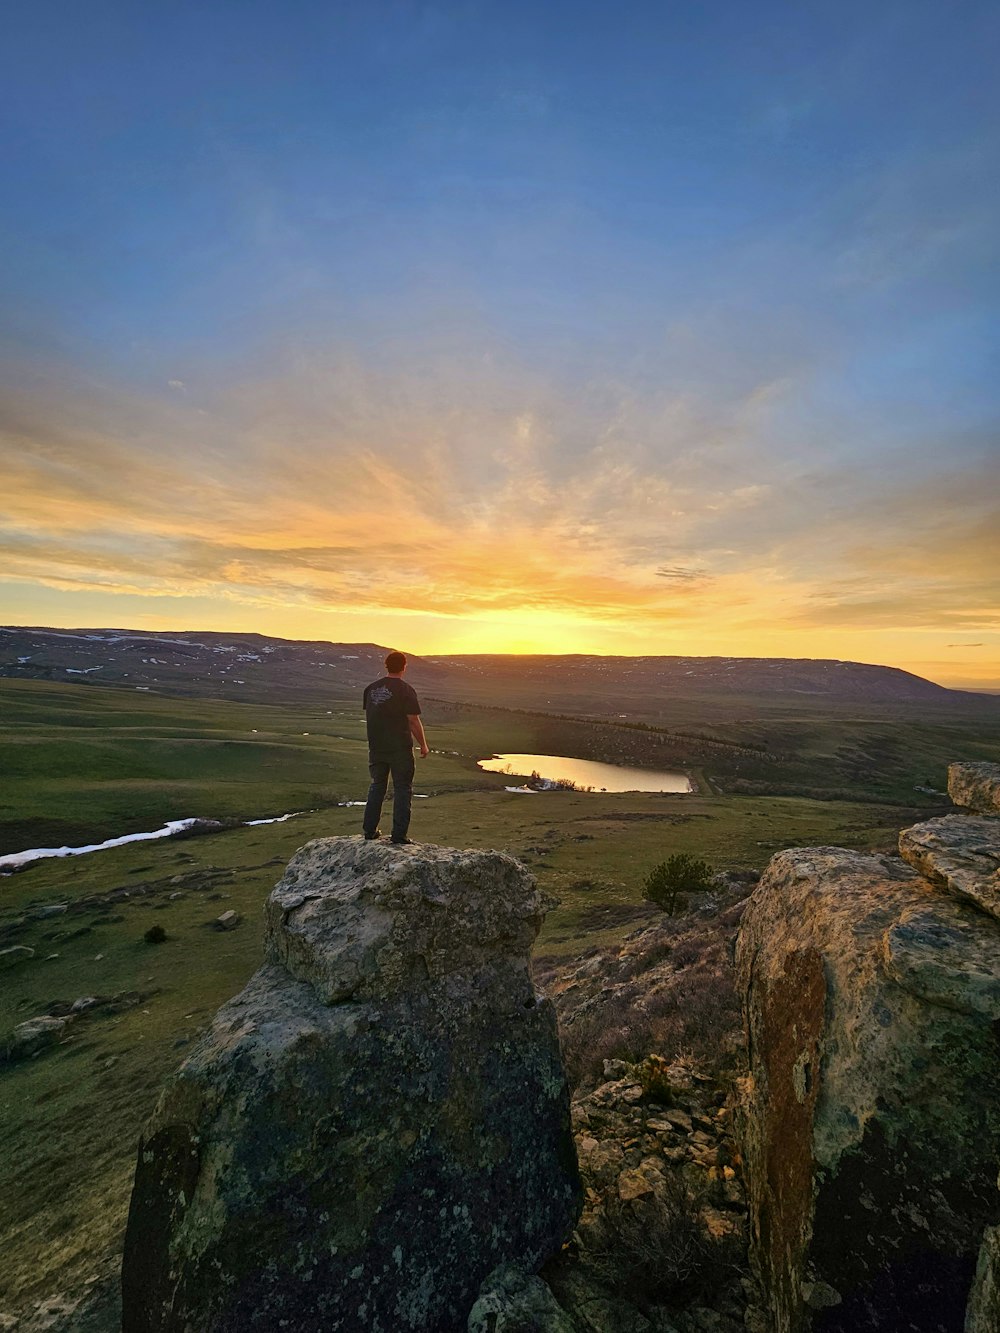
(679, 874)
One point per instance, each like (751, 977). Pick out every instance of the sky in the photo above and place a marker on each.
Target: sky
(457, 327)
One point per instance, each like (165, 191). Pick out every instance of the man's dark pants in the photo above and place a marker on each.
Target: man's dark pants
(400, 765)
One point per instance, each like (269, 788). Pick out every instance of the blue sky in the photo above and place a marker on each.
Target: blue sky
(645, 326)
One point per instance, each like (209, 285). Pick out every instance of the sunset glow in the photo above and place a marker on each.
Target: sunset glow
(507, 330)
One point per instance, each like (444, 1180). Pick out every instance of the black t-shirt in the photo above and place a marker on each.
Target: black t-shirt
(388, 703)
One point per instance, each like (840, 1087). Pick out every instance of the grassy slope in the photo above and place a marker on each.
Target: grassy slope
(93, 760)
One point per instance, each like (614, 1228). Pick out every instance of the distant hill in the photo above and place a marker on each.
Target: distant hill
(257, 667)
(719, 675)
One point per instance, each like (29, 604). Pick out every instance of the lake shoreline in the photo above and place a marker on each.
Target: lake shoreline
(539, 772)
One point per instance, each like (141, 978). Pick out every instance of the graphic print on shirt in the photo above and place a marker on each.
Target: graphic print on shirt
(388, 703)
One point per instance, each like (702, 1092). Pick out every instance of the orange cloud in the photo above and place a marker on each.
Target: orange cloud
(497, 505)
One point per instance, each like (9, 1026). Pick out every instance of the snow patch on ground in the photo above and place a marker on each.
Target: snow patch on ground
(38, 853)
(172, 826)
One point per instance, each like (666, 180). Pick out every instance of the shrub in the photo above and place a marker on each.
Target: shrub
(655, 1079)
(659, 1249)
(615, 1030)
(700, 1015)
(653, 950)
(689, 950)
(668, 881)
(695, 1011)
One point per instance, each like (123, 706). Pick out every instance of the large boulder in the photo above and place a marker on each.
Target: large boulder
(871, 1117)
(976, 786)
(375, 1123)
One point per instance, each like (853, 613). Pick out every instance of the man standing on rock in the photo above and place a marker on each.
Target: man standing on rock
(392, 712)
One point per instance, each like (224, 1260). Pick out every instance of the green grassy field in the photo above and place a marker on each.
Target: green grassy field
(83, 765)
(80, 765)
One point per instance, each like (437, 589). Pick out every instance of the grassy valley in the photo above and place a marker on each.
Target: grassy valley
(81, 764)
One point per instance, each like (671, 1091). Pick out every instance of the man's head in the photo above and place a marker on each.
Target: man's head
(395, 664)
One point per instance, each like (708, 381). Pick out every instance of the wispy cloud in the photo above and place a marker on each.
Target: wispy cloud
(331, 485)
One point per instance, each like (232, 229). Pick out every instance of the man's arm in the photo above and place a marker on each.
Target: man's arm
(417, 732)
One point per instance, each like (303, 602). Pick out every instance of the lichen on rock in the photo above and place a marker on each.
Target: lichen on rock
(512, 1301)
(375, 1123)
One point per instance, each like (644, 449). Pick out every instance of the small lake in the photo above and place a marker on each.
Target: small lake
(587, 773)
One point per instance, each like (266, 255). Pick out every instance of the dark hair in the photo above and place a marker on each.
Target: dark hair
(395, 662)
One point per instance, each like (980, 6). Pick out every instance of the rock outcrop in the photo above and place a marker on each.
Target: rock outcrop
(16, 953)
(35, 1035)
(376, 1123)
(871, 1117)
(975, 786)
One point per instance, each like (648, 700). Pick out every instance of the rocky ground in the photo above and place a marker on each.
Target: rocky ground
(651, 1033)
(661, 1245)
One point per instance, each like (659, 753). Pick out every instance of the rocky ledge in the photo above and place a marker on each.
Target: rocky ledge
(376, 1123)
